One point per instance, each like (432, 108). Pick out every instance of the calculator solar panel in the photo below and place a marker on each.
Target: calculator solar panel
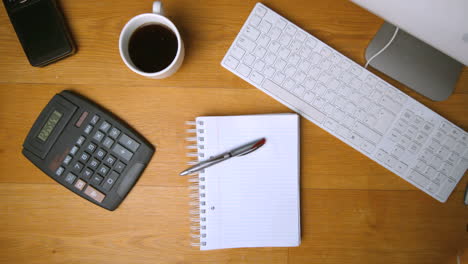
(87, 149)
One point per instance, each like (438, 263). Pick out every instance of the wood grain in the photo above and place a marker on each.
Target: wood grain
(353, 210)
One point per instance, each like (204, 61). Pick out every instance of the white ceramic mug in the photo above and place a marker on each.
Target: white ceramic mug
(157, 17)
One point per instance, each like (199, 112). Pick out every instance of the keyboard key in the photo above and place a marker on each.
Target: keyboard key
(81, 119)
(246, 44)
(122, 152)
(110, 160)
(331, 124)
(103, 170)
(96, 180)
(237, 52)
(264, 26)
(311, 42)
(105, 126)
(80, 184)
(59, 171)
(77, 167)
(274, 34)
(255, 20)
(74, 150)
(119, 167)
(88, 129)
(111, 179)
(100, 153)
(84, 157)
(433, 188)
(108, 142)
(366, 132)
(390, 104)
(260, 10)
(285, 39)
(290, 29)
(251, 33)
(244, 70)
(129, 143)
(401, 167)
(249, 59)
(259, 65)
(270, 58)
(94, 120)
(279, 78)
(94, 163)
(269, 71)
(98, 136)
(302, 107)
(260, 52)
(70, 178)
(80, 140)
(381, 155)
(280, 23)
(94, 194)
(67, 159)
(264, 40)
(418, 178)
(91, 147)
(114, 133)
(256, 77)
(87, 173)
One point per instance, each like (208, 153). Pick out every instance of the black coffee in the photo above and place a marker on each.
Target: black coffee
(152, 47)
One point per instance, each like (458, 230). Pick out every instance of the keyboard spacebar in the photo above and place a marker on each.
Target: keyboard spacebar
(294, 102)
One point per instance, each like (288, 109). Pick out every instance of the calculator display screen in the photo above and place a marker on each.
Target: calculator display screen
(49, 125)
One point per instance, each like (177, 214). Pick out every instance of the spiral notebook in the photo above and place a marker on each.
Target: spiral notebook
(252, 200)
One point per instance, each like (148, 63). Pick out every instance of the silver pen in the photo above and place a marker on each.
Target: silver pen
(239, 151)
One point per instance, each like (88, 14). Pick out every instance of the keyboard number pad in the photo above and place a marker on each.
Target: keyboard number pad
(98, 157)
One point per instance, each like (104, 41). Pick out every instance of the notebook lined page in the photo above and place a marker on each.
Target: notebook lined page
(253, 200)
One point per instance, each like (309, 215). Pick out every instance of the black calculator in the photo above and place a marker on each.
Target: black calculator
(87, 149)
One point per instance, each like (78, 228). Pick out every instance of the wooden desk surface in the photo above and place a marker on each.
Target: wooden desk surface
(353, 210)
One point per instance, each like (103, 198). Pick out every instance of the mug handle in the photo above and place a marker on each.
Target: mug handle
(158, 8)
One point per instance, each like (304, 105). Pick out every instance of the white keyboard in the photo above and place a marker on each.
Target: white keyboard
(349, 102)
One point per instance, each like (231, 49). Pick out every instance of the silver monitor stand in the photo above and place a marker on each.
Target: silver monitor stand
(414, 63)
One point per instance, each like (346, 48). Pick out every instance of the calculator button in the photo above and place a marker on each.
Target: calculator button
(108, 142)
(103, 170)
(81, 119)
(119, 167)
(94, 163)
(67, 159)
(94, 120)
(114, 133)
(98, 136)
(91, 147)
(70, 178)
(105, 126)
(77, 167)
(94, 194)
(101, 153)
(110, 181)
(84, 157)
(129, 143)
(59, 171)
(80, 184)
(96, 180)
(110, 160)
(80, 140)
(74, 150)
(122, 152)
(87, 173)
(88, 129)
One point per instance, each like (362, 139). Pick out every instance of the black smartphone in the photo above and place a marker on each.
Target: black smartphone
(41, 29)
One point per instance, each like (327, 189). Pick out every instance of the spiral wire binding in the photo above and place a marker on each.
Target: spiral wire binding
(196, 188)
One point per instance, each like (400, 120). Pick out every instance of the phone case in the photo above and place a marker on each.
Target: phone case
(41, 29)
